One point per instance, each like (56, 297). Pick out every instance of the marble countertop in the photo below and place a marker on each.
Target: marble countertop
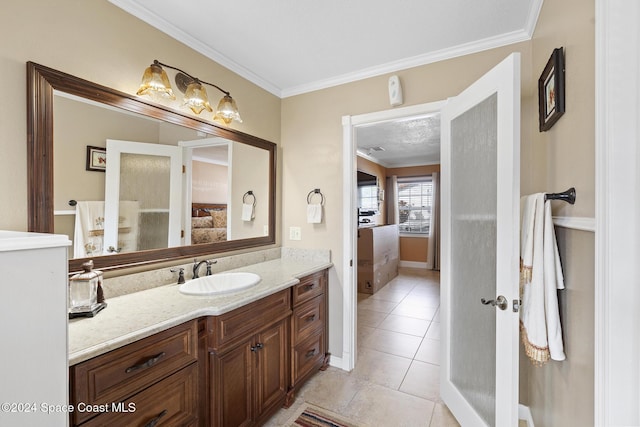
(131, 317)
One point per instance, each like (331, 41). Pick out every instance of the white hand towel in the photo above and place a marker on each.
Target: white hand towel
(314, 213)
(540, 278)
(247, 212)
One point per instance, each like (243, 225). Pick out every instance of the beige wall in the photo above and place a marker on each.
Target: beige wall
(210, 183)
(561, 393)
(99, 42)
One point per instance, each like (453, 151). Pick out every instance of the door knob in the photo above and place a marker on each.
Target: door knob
(500, 302)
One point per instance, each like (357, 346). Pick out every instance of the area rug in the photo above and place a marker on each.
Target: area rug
(313, 416)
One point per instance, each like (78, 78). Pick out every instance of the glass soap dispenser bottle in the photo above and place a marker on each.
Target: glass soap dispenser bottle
(85, 292)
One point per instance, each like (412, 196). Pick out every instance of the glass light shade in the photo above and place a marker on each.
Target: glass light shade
(195, 97)
(155, 81)
(227, 110)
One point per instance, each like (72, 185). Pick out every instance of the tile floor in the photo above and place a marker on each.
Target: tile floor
(396, 379)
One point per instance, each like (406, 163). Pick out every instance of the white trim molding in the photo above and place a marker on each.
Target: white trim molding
(617, 236)
(575, 223)
(413, 264)
(524, 413)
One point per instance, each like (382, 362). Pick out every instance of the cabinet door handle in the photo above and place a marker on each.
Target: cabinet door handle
(310, 318)
(155, 420)
(257, 347)
(150, 362)
(310, 353)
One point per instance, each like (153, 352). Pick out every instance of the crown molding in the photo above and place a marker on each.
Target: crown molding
(464, 49)
(415, 61)
(171, 30)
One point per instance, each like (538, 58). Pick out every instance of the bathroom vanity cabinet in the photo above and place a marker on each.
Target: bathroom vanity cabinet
(155, 378)
(234, 369)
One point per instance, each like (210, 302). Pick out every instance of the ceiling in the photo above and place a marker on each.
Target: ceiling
(290, 47)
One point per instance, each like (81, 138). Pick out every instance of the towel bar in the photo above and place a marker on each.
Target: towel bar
(568, 196)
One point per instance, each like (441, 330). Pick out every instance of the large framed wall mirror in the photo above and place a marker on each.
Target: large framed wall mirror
(135, 183)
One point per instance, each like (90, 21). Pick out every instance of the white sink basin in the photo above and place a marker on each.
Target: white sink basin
(220, 283)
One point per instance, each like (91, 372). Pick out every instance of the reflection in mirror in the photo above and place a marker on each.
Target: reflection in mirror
(128, 208)
(173, 186)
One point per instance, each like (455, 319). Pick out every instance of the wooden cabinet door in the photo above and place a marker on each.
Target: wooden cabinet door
(272, 359)
(231, 386)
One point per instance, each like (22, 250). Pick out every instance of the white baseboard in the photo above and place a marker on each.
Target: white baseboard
(524, 413)
(413, 264)
(337, 362)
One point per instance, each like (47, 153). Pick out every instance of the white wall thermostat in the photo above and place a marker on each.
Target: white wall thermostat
(395, 91)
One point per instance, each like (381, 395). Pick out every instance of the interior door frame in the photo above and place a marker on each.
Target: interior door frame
(350, 220)
(617, 245)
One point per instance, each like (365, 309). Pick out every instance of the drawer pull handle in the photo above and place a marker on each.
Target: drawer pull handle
(310, 353)
(310, 318)
(309, 286)
(150, 362)
(154, 421)
(257, 347)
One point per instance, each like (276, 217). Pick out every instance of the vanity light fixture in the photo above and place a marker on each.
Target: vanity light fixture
(155, 81)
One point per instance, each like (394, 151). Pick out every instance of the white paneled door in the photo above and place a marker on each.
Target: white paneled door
(480, 166)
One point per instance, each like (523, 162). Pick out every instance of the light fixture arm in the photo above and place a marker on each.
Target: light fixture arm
(155, 61)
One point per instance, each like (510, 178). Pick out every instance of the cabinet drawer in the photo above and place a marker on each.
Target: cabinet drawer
(172, 401)
(307, 356)
(309, 287)
(242, 322)
(308, 318)
(117, 375)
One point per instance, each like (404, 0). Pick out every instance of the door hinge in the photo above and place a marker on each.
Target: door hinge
(184, 169)
(182, 234)
(350, 263)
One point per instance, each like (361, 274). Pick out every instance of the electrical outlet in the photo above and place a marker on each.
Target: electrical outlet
(295, 233)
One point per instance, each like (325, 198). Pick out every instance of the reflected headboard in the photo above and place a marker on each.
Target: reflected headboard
(203, 209)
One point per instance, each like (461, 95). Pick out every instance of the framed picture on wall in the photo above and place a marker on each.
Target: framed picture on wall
(551, 90)
(96, 159)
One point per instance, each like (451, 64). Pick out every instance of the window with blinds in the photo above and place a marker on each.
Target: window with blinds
(415, 199)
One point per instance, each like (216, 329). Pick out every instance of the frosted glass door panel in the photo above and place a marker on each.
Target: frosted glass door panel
(144, 185)
(473, 245)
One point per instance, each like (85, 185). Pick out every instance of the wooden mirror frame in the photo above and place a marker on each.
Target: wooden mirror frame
(41, 83)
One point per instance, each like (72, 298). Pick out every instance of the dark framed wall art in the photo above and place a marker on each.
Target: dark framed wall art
(551, 103)
(96, 159)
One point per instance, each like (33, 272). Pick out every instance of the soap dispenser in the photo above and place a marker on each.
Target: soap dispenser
(86, 298)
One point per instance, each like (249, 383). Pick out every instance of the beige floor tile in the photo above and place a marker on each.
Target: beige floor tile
(377, 305)
(422, 380)
(390, 295)
(381, 368)
(417, 310)
(369, 317)
(364, 332)
(422, 299)
(377, 406)
(332, 389)
(434, 331)
(405, 325)
(442, 417)
(429, 351)
(281, 417)
(395, 343)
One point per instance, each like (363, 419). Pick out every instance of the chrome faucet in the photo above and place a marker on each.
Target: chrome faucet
(196, 267)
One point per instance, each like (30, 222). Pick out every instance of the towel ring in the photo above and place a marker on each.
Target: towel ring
(249, 194)
(312, 192)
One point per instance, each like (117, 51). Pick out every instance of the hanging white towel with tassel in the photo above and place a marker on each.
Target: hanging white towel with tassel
(540, 278)
(89, 229)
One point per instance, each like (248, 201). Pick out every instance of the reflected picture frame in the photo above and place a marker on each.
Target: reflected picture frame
(551, 84)
(96, 159)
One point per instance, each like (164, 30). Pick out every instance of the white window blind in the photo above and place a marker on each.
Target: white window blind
(415, 199)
